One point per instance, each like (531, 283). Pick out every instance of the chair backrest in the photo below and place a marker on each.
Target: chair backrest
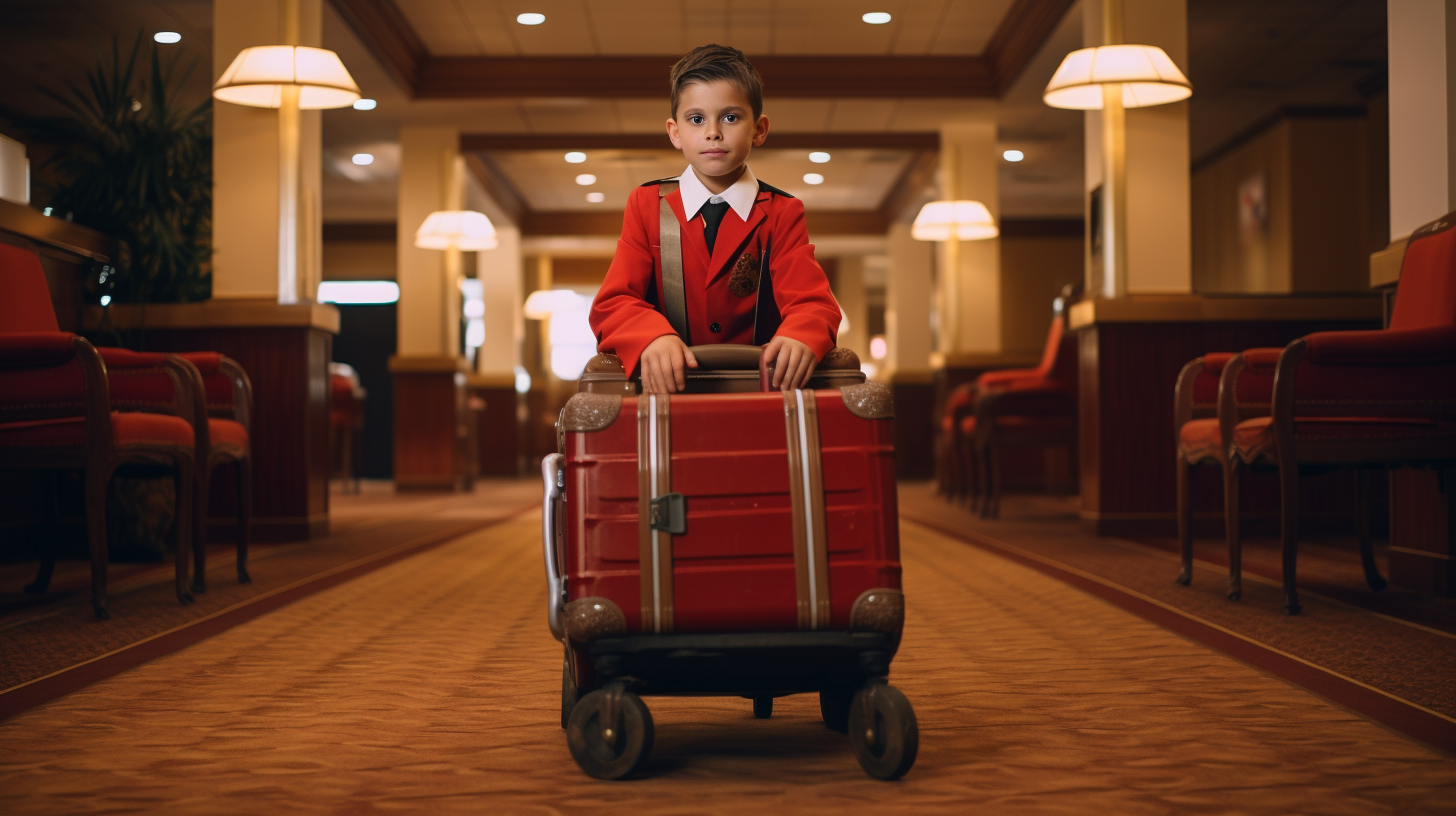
(1427, 293)
(26, 305)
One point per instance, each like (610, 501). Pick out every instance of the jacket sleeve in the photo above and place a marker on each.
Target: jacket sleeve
(622, 316)
(808, 308)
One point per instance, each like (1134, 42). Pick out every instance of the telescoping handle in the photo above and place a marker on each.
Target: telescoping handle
(553, 482)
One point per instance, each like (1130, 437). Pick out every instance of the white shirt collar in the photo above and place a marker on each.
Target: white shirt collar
(740, 196)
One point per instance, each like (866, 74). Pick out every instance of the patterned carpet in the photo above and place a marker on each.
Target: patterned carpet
(431, 686)
(1375, 644)
(37, 639)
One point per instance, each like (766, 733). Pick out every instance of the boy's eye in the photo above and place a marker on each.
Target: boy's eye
(731, 118)
(695, 119)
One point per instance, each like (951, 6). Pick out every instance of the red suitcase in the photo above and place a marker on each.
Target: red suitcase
(726, 541)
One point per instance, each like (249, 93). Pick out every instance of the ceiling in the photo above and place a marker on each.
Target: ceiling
(1247, 60)
(672, 27)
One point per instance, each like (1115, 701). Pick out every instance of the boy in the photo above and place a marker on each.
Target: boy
(725, 219)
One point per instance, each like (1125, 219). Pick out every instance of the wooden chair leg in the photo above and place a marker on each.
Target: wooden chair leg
(97, 479)
(1289, 531)
(47, 568)
(245, 516)
(186, 481)
(1362, 529)
(1232, 521)
(199, 528)
(993, 482)
(971, 487)
(1185, 521)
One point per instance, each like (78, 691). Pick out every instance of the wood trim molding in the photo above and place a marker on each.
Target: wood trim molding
(488, 142)
(1025, 27)
(1043, 228)
(918, 175)
(799, 77)
(386, 32)
(214, 314)
(1199, 309)
(362, 231)
(55, 233)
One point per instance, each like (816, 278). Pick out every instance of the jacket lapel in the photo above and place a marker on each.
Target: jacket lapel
(731, 234)
(692, 232)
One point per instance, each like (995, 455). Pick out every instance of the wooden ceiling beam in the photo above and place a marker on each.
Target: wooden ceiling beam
(489, 142)
(385, 31)
(1027, 24)
(827, 77)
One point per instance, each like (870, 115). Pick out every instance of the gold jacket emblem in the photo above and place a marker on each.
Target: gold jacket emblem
(744, 280)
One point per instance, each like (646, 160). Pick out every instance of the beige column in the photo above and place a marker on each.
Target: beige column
(1159, 253)
(908, 302)
(431, 177)
(499, 272)
(849, 290)
(968, 290)
(261, 248)
(1422, 65)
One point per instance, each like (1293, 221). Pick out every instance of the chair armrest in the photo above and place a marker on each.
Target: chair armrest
(1032, 399)
(1195, 395)
(33, 349)
(1432, 344)
(156, 383)
(998, 378)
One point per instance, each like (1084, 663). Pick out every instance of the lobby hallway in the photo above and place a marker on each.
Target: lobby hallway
(431, 685)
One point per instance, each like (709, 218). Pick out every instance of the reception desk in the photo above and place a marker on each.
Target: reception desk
(1130, 352)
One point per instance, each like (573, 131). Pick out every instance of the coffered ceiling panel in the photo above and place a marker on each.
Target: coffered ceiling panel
(778, 27)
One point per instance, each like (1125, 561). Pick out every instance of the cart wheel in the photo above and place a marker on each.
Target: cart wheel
(609, 751)
(763, 707)
(568, 694)
(834, 708)
(883, 729)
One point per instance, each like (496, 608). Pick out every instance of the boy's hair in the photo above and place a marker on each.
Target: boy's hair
(708, 63)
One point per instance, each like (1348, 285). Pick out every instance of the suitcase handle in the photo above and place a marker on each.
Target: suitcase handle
(553, 482)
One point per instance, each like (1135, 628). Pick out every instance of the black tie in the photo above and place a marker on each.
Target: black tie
(712, 217)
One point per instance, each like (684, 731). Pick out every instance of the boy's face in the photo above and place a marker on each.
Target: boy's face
(715, 129)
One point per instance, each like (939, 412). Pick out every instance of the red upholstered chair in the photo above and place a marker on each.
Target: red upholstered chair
(1023, 408)
(224, 399)
(1214, 394)
(1364, 399)
(346, 421)
(56, 413)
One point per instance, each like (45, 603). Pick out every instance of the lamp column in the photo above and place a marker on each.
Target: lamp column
(430, 416)
(968, 286)
(1145, 241)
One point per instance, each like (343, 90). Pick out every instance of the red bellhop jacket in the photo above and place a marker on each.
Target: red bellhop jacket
(623, 315)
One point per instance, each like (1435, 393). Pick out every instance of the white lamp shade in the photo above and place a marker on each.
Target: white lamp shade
(458, 229)
(544, 303)
(966, 220)
(258, 74)
(1148, 77)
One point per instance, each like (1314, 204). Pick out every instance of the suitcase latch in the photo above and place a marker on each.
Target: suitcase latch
(669, 513)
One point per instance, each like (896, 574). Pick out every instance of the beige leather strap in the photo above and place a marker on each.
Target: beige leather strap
(654, 478)
(674, 299)
(806, 498)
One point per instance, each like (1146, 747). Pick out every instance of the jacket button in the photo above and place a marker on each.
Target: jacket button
(715, 328)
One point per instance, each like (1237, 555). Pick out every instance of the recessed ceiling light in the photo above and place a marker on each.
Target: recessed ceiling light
(365, 104)
(363, 158)
(819, 157)
(530, 18)
(876, 17)
(1013, 155)
(813, 178)
(586, 179)
(575, 157)
(167, 37)
(596, 198)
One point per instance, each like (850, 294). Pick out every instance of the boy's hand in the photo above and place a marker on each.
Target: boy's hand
(663, 364)
(795, 362)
